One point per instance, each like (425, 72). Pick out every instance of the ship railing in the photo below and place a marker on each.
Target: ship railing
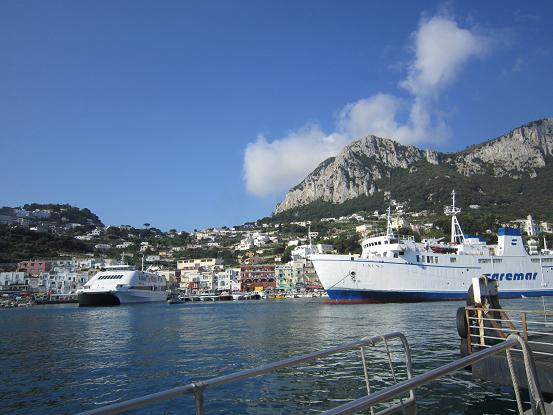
(401, 388)
(488, 326)
(398, 237)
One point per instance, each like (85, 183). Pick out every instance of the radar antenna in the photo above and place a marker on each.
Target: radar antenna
(457, 235)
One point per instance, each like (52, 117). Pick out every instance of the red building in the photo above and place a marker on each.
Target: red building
(34, 268)
(257, 276)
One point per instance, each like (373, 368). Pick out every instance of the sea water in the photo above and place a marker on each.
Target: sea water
(62, 359)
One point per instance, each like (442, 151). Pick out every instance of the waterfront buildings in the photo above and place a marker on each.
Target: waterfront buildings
(284, 275)
(257, 276)
(11, 280)
(186, 265)
(35, 267)
(58, 276)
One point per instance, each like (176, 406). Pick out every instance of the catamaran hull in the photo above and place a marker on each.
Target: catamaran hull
(120, 297)
(354, 280)
(97, 299)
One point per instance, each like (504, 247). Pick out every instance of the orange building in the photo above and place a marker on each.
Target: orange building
(34, 268)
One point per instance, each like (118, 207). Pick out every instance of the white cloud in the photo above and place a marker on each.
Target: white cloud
(272, 167)
(441, 48)
(376, 114)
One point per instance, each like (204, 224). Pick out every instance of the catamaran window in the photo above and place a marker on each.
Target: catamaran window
(395, 255)
(435, 259)
(418, 259)
(401, 253)
(452, 259)
(422, 257)
(497, 260)
(484, 260)
(536, 260)
(547, 259)
(429, 259)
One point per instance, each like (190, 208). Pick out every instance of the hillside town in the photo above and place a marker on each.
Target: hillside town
(260, 256)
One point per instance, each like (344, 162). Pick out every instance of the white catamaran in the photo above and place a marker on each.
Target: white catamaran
(393, 268)
(121, 284)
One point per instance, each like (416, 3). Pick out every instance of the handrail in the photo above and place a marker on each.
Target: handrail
(410, 384)
(197, 388)
(512, 310)
(492, 323)
(362, 403)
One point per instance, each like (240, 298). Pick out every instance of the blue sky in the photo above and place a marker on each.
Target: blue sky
(194, 114)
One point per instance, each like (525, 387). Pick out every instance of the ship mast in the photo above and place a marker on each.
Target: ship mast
(389, 230)
(457, 235)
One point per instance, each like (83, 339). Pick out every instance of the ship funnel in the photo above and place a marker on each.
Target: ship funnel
(509, 242)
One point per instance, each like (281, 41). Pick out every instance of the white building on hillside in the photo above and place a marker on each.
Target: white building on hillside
(8, 279)
(206, 264)
(303, 251)
(531, 227)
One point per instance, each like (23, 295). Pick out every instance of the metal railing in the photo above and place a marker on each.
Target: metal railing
(488, 326)
(197, 388)
(513, 340)
(406, 405)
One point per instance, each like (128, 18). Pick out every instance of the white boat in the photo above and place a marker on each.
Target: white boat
(237, 296)
(122, 284)
(395, 268)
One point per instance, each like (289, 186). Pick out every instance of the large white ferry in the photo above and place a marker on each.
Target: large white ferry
(395, 268)
(121, 284)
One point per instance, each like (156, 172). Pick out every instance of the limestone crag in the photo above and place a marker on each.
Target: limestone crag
(355, 171)
(521, 151)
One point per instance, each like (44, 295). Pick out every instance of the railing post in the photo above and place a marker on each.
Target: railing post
(199, 398)
(366, 374)
(481, 327)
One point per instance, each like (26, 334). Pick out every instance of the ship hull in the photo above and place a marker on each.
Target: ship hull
(114, 298)
(349, 279)
(97, 299)
(377, 297)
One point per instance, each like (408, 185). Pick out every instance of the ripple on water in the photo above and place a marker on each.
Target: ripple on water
(64, 359)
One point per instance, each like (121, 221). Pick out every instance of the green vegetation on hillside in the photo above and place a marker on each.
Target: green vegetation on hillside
(18, 244)
(70, 213)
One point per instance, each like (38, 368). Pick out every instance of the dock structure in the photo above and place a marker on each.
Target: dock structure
(484, 323)
(496, 368)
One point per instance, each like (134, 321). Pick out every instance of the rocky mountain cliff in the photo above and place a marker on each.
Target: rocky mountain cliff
(373, 165)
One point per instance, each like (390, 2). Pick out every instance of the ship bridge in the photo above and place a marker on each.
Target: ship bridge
(385, 245)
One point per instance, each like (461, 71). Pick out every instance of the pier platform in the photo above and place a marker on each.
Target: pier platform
(496, 368)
